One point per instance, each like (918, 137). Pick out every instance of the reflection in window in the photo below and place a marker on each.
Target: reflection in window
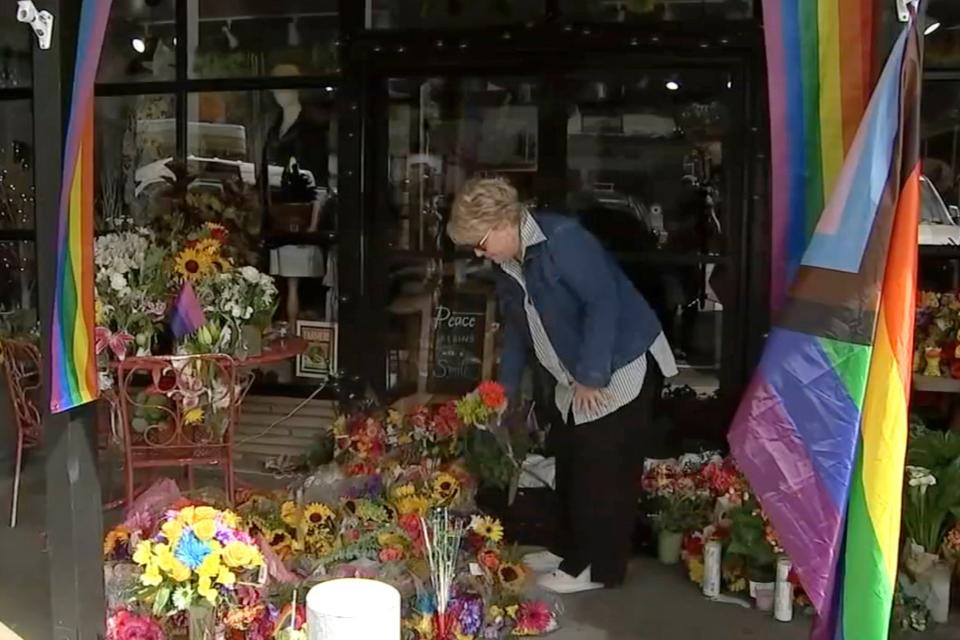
(139, 43)
(690, 301)
(941, 46)
(393, 14)
(645, 10)
(18, 282)
(16, 54)
(280, 147)
(645, 160)
(941, 138)
(230, 39)
(136, 140)
(441, 326)
(443, 132)
(17, 196)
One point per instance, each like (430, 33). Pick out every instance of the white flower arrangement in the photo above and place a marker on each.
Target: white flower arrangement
(244, 296)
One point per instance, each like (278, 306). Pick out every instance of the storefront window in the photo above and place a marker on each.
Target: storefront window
(15, 52)
(140, 42)
(136, 139)
(642, 10)
(941, 138)
(942, 42)
(17, 197)
(393, 14)
(272, 155)
(645, 160)
(18, 283)
(230, 41)
(443, 132)
(441, 309)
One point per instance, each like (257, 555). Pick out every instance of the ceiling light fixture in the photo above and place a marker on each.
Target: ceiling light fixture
(672, 85)
(138, 44)
(932, 25)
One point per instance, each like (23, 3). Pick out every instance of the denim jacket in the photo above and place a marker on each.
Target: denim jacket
(596, 320)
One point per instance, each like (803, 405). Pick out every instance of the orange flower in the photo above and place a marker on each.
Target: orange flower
(492, 394)
(489, 558)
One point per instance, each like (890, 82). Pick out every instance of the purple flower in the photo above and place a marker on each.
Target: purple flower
(469, 613)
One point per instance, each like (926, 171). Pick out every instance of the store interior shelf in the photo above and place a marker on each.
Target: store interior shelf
(940, 251)
(936, 384)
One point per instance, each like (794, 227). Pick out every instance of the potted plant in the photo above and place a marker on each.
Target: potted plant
(681, 505)
(751, 537)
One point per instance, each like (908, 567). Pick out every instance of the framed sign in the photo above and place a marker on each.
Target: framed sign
(459, 348)
(320, 358)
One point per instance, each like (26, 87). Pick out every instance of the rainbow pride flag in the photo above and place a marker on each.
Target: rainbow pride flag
(73, 362)
(817, 97)
(821, 432)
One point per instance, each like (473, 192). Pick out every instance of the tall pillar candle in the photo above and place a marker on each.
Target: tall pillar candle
(783, 593)
(353, 608)
(711, 568)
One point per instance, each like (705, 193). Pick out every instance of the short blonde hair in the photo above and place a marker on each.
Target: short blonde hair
(481, 205)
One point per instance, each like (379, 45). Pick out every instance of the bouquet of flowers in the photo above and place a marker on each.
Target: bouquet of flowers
(132, 287)
(241, 296)
(494, 449)
(200, 556)
(682, 500)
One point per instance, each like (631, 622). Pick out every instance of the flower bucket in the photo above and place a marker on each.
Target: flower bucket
(938, 601)
(669, 544)
(202, 623)
(251, 341)
(763, 594)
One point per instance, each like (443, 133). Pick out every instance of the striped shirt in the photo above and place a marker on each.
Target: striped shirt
(625, 383)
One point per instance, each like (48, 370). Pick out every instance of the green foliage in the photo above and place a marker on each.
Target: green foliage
(748, 538)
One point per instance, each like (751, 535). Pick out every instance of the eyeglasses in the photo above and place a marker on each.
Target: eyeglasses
(482, 245)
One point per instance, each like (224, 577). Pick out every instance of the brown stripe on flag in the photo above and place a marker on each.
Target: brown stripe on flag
(841, 305)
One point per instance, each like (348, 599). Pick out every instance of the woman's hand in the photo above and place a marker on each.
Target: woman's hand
(588, 399)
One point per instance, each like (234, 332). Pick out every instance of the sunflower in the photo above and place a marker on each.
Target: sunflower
(115, 538)
(511, 575)
(488, 528)
(413, 504)
(193, 416)
(192, 265)
(281, 542)
(317, 513)
(290, 514)
(209, 246)
(446, 488)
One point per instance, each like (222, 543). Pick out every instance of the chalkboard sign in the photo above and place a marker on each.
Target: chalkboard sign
(459, 329)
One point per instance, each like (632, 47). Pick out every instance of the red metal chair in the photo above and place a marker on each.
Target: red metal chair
(21, 366)
(178, 411)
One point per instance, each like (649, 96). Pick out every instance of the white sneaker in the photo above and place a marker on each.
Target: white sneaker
(542, 561)
(564, 583)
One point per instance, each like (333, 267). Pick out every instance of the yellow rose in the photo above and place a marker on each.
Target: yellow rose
(210, 566)
(226, 577)
(143, 552)
(151, 576)
(204, 513)
(172, 529)
(512, 610)
(205, 529)
(237, 554)
(186, 515)
(180, 572)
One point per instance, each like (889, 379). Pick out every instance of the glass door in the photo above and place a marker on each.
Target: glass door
(24, 609)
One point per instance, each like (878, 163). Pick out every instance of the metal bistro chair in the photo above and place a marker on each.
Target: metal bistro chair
(178, 411)
(21, 366)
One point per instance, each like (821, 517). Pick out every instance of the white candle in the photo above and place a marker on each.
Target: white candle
(353, 608)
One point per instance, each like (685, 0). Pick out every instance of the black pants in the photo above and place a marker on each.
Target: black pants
(597, 476)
